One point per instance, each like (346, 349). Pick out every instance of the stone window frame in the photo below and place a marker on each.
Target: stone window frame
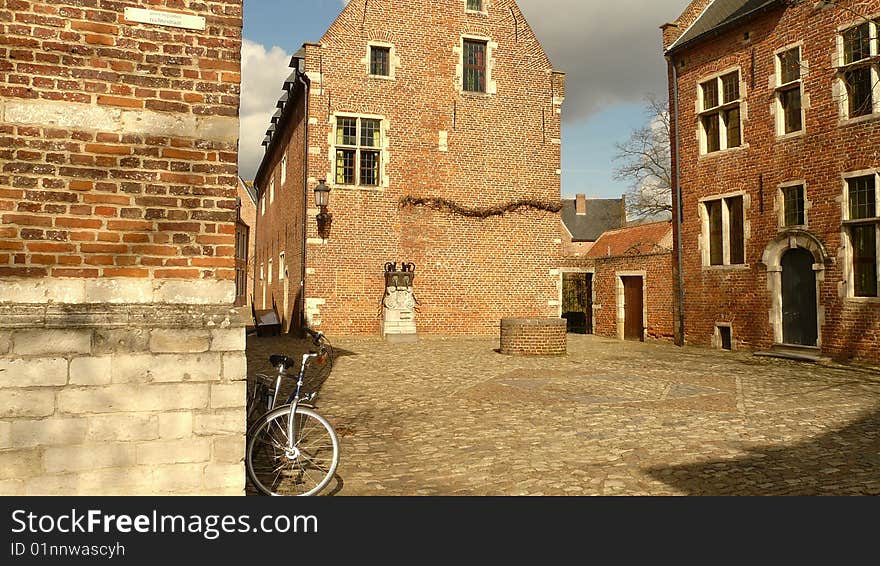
(717, 342)
(491, 48)
(283, 168)
(848, 269)
(620, 296)
(483, 11)
(269, 272)
(704, 238)
(263, 204)
(840, 90)
(780, 205)
(281, 266)
(393, 60)
(272, 188)
(780, 89)
(384, 157)
(719, 109)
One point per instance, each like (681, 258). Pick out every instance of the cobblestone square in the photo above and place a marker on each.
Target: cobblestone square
(454, 417)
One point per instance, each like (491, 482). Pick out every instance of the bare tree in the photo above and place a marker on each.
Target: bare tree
(645, 161)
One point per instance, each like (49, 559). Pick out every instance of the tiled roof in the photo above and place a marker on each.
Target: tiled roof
(602, 215)
(634, 240)
(719, 14)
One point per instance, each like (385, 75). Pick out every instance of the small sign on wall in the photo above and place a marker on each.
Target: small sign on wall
(159, 18)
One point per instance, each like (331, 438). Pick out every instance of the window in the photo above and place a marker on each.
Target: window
(241, 259)
(358, 151)
(475, 5)
(474, 65)
(283, 169)
(272, 190)
(793, 209)
(720, 118)
(725, 231)
(788, 92)
(863, 226)
(269, 278)
(860, 70)
(380, 58)
(263, 204)
(281, 267)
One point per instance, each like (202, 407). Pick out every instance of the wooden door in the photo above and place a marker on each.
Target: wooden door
(633, 308)
(799, 310)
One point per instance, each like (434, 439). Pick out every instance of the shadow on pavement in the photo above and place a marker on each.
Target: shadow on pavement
(842, 462)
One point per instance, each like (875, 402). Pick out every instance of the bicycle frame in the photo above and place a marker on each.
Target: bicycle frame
(294, 399)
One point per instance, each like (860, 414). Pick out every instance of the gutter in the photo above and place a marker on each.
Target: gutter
(676, 183)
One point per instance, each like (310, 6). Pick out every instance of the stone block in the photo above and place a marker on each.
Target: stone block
(134, 368)
(131, 480)
(227, 339)
(197, 292)
(90, 371)
(33, 372)
(119, 291)
(228, 449)
(5, 342)
(235, 367)
(134, 398)
(180, 341)
(226, 477)
(19, 464)
(178, 478)
(52, 341)
(27, 403)
(226, 395)
(175, 425)
(31, 291)
(187, 450)
(123, 427)
(54, 431)
(5, 435)
(220, 422)
(11, 487)
(88, 457)
(119, 340)
(186, 367)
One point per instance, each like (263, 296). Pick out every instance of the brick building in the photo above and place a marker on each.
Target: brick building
(419, 117)
(121, 359)
(583, 220)
(776, 109)
(622, 286)
(245, 241)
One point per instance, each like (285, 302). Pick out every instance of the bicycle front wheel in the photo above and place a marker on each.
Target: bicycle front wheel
(305, 468)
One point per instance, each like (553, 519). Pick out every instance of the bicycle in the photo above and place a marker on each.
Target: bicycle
(291, 449)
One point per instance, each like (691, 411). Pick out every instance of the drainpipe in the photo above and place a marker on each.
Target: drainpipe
(305, 215)
(679, 336)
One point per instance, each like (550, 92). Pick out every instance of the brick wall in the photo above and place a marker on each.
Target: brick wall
(477, 150)
(119, 350)
(533, 337)
(828, 149)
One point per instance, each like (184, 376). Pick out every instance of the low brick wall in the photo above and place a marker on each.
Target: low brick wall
(533, 336)
(121, 399)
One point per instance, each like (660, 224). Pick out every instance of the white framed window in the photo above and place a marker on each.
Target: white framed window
(792, 198)
(263, 204)
(720, 116)
(724, 232)
(283, 169)
(789, 91)
(858, 72)
(478, 6)
(282, 268)
(358, 151)
(862, 228)
(272, 190)
(269, 278)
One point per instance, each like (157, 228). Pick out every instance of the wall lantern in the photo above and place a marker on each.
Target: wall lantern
(325, 219)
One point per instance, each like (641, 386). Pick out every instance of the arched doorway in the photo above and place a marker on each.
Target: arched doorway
(799, 307)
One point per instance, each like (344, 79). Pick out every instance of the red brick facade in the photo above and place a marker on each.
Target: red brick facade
(830, 148)
(473, 149)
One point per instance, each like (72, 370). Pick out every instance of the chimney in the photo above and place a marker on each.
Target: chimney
(581, 204)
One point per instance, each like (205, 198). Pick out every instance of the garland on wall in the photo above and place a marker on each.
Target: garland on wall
(444, 205)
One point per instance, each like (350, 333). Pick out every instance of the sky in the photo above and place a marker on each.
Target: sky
(610, 52)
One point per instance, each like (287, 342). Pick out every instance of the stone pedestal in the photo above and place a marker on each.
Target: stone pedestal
(398, 308)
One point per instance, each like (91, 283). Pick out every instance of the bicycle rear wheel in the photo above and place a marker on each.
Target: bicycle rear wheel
(276, 469)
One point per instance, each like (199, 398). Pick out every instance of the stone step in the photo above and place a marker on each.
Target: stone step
(793, 352)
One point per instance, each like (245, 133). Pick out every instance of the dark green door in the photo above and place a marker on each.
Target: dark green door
(799, 316)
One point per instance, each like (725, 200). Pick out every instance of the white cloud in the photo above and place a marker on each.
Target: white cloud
(262, 74)
(611, 51)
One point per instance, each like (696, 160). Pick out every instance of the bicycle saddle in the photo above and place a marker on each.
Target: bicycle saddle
(279, 360)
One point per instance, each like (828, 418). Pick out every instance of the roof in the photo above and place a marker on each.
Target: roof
(719, 14)
(602, 215)
(249, 188)
(634, 240)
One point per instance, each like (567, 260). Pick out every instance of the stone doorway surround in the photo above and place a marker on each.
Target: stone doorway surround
(621, 302)
(772, 258)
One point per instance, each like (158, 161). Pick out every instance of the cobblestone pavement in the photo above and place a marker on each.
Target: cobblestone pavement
(453, 417)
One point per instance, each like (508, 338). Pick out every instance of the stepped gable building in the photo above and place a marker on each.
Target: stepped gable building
(423, 118)
(122, 361)
(776, 106)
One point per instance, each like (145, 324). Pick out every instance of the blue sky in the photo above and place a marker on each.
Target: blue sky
(611, 54)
